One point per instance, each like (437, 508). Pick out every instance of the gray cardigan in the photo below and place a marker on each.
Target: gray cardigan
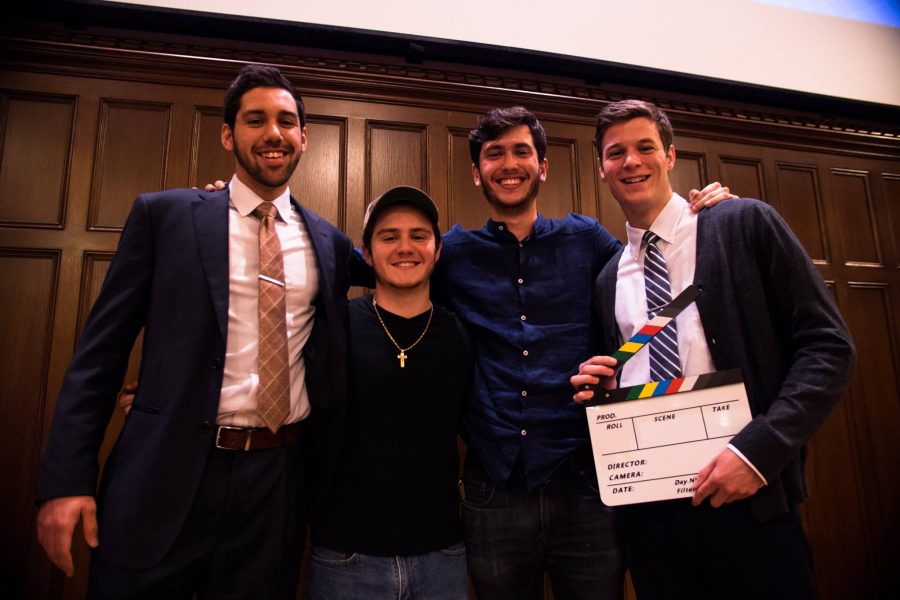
(765, 309)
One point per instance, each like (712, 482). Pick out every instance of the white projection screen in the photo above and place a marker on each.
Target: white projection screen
(841, 48)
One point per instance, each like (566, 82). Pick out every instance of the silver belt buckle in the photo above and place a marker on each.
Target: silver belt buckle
(249, 433)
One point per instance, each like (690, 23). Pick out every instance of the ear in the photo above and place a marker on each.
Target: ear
(227, 137)
(600, 168)
(303, 140)
(367, 256)
(476, 175)
(670, 157)
(437, 253)
(542, 170)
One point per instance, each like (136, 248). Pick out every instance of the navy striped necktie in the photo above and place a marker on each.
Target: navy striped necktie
(664, 362)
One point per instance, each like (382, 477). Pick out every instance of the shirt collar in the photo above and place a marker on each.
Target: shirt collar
(246, 200)
(664, 225)
(541, 225)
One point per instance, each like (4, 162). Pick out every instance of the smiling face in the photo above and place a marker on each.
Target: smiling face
(510, 172)
(267, 140)
(403, 249)
(636, 166)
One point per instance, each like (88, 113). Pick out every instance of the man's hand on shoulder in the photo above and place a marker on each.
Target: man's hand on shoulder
(712, 194)
(56, 522)
(214, 187)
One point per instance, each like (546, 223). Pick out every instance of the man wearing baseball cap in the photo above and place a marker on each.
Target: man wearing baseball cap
(391, 522)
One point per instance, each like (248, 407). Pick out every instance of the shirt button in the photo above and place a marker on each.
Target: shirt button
(524, 352)
(500, 227)
(522, 317)
(524, 432)
(520, 280)
(521, 244)
(524, 393)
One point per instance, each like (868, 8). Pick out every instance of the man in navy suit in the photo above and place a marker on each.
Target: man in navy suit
(198, 496)
(764, 309)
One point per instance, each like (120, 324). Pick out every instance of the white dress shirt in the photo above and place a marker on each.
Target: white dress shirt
(676, 227)
(237, 401)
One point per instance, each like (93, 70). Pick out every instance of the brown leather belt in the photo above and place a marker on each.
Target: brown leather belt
(257, 438)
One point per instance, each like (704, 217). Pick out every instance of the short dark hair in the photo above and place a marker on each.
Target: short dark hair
(626, 110)
(253, 76)
(498, 121)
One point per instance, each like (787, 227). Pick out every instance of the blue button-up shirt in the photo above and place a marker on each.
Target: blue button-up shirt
(527, 307)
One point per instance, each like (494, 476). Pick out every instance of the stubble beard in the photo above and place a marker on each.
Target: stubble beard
(513, 208)
(267, 178)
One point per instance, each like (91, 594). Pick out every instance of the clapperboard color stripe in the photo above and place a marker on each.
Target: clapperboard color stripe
(668, 386)
(656, 324)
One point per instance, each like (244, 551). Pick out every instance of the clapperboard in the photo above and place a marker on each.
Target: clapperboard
(650, 440)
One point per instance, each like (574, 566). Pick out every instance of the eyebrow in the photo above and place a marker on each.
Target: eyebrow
(397, 230)
(515, 146)
(252, 112)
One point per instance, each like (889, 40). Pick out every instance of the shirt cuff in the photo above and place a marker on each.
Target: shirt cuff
(748, 463)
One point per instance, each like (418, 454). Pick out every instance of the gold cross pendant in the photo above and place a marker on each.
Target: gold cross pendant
(402, 357)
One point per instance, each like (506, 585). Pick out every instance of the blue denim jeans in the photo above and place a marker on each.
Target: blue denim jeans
(561, 529)
(437, 575)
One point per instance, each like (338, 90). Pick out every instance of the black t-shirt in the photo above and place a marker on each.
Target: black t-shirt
(395, 490)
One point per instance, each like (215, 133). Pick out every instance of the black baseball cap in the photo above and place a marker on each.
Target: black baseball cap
(397, 196)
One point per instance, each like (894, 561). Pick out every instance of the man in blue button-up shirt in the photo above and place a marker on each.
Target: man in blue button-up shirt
(522, 286)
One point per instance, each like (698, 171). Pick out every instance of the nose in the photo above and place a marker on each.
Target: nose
(404, 244)
(632, 159)
(509, 161)
(272, 131)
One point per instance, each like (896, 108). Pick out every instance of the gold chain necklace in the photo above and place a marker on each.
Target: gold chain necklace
(402, 355)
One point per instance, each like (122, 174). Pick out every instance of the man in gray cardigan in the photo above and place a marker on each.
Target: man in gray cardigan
(765, 309)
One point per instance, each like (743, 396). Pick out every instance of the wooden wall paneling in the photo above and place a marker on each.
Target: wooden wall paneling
(396, 154)
(875, 410)
(744, 175)
(131, 157)
(320, 179)
(689, 173)
(800, 203)
(35, 148)
(854, 216)
(560, 194)
(404, 132)
(890, 184)
(611, 216)
(28, 283)
(467, 204)
(209, 160)
(589, 176)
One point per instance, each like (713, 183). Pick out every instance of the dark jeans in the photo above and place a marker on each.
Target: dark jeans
(439, 575)
(561, 528)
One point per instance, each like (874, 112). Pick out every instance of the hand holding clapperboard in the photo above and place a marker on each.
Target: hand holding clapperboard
(649, 441)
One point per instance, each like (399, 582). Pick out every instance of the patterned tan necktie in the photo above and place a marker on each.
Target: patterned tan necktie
(273, 399)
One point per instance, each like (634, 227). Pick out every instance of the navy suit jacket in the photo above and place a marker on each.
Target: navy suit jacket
(170, 277)
(765, 309)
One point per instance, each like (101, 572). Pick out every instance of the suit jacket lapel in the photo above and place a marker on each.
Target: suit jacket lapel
(319, 236)
(210, 212)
